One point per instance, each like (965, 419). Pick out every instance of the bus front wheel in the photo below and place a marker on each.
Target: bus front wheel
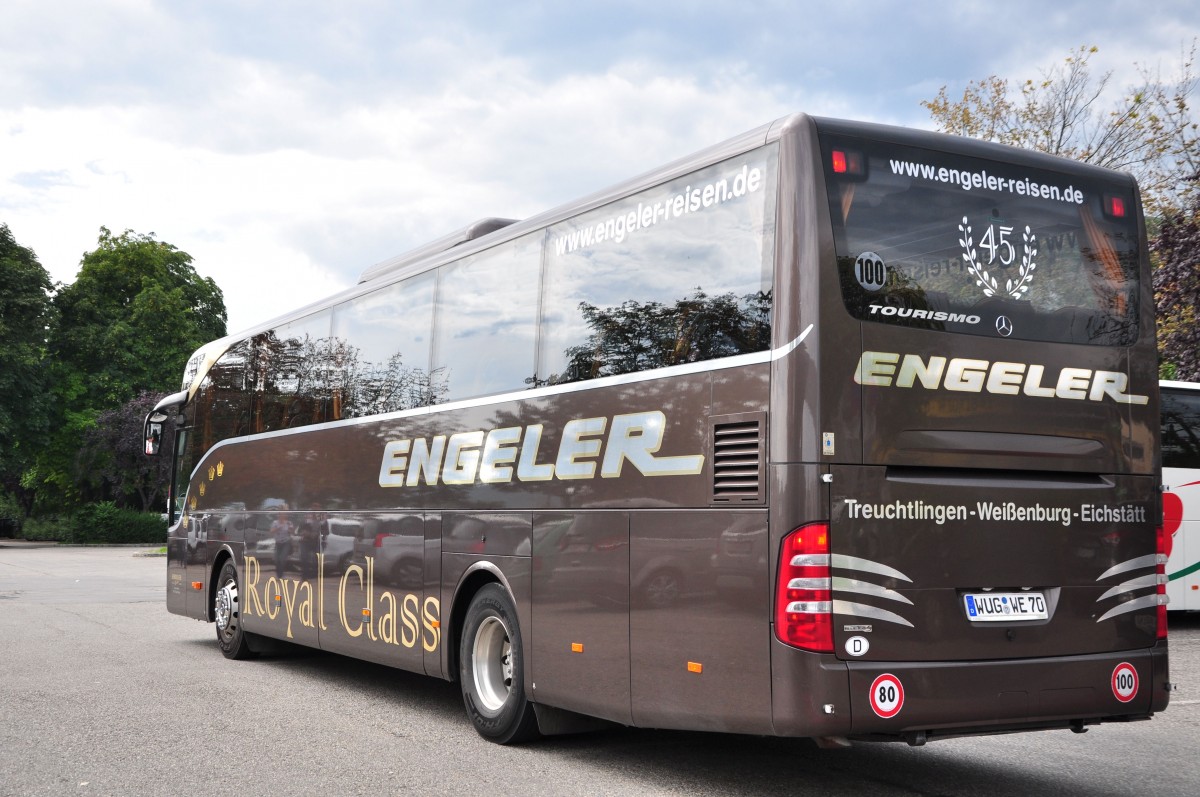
(491, 669)
(227, 612)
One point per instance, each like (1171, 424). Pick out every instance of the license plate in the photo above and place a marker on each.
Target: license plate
(983, 607)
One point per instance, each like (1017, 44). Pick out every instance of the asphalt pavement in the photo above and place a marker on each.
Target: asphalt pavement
(102, 692)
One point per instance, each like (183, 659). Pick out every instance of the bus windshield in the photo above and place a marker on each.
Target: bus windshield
(936, 240)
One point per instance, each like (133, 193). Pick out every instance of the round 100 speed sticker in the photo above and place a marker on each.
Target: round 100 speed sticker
(887, 695)
(1125, 682)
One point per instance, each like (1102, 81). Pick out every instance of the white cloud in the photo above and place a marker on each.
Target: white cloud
(314, 203)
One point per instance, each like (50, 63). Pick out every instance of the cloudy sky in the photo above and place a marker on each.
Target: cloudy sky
(287, 146)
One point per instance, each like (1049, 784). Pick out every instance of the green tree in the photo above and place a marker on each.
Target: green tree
(128, 323)
(136, 311)
(1149, 131)
(1177, 294)
(113, 454)
(25, 315)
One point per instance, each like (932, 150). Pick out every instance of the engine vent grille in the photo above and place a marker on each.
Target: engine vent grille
(737, 462)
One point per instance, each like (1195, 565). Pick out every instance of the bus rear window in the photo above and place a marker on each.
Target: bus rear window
(940, 241)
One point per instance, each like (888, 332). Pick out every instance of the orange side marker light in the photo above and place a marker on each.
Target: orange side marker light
(695, 666)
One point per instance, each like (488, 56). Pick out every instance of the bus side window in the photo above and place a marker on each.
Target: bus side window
(676, 274)
(485, 322)
(380, 350)
(1180, 428)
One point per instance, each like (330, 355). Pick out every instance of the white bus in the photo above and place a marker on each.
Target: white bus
(1181, 496)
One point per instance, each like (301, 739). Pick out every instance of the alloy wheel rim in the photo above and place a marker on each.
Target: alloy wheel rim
(492, 664)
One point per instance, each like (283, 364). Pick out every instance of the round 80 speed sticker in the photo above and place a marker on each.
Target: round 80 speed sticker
(887, 695)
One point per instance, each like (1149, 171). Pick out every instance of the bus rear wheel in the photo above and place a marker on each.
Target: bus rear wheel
(491, 669)
(227, 612)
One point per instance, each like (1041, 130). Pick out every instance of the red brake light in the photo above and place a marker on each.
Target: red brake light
(839, 162)
(804, 591)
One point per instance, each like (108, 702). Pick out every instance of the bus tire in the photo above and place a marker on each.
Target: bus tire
(492, 670)
(231, 637)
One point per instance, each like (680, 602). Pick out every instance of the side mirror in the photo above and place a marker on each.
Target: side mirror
(155, 421)
(154, 432)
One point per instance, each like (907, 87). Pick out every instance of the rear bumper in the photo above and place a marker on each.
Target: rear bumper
(924, 701)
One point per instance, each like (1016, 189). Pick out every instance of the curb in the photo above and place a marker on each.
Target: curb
(32, 544)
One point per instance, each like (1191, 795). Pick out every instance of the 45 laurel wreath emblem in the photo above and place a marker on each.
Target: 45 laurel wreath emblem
(1000, 251)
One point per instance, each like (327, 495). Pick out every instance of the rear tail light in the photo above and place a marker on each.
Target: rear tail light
(803, 595)
(379, 540)
(1160, 571)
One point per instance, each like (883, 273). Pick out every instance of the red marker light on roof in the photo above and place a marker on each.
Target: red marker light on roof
(1115, 207)
(847, 162)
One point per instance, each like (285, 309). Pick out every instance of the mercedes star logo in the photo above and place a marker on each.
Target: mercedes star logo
(1003, 325)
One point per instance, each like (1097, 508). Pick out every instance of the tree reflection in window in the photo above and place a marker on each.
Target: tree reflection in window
(637, 336)
(305, 380)
(369, 388)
